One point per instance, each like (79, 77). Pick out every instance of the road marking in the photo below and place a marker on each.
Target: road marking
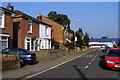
(53, 67)
(91, 61)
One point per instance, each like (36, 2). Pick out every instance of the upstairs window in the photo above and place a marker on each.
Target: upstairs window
(29, 26)
(1, 20)
(46, 31)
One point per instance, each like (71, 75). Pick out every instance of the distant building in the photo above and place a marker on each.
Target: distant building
(69, 35)
(101, 43)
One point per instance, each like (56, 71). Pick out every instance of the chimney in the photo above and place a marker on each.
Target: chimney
(39, 17)
(10, 7)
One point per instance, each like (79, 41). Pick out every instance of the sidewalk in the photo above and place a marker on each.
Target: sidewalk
(40, 66)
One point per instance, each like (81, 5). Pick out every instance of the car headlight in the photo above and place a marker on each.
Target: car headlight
(111, 62)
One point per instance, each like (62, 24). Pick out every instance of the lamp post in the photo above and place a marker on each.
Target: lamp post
(75, 38)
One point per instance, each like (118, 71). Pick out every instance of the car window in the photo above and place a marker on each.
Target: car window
(22, 52)
(13, 51)
(6, 51)
(114, 53)
(27, 51)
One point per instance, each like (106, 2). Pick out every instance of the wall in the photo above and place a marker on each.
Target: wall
(42, 31)
(57, 30)
(9, 62)
(49, 54)
(23, 30)
(8, 28)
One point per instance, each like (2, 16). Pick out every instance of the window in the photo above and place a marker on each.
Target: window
(49, 42)
(46, 31)
(1, 20)
(29, 26)
(3, 42)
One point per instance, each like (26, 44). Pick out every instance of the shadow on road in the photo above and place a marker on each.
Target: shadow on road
(80, 73)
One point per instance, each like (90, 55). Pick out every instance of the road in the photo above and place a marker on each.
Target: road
(87, 66)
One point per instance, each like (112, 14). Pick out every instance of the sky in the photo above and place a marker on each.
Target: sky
(98, 19)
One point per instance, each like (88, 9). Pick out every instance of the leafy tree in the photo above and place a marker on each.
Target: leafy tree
(79, 42)
(69, 45)
(59, 18)
(55, 43)
(80, 30)
(86, 39)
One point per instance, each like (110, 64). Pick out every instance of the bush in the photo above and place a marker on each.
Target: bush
(55, 44)
(69, 45)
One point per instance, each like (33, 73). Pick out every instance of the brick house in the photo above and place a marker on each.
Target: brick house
(28, 32)
(57, 29)
(25, 31)
(69, 35)
(6, 28)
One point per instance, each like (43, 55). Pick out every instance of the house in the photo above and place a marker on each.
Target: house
(6, 28)
(25, 30)
(29, 32)
(69, 35)
(57, 30)
(44, 35)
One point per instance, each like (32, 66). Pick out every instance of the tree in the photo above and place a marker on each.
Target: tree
(79, 42)
(86, 39)
(59, 18)
(80, 30)
(55, 43)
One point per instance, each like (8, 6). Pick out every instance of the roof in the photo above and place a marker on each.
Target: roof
(116, 40)
(6, 10)
(21, 14)
(53, 21)
(70, 31)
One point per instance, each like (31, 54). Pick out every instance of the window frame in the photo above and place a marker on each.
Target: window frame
(30, 23)
(3, 19)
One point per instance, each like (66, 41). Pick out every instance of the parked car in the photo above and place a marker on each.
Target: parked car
(24, 55)
(112, 58)
(104, 51)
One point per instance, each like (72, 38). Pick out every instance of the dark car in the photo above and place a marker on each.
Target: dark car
(24, 55)
(104, 51)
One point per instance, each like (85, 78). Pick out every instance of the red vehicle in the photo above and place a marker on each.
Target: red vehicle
(112, 58)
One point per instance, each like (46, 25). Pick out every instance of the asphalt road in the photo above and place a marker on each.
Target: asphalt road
(85, 67)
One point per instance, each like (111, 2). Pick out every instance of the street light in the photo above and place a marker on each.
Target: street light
(75, 34)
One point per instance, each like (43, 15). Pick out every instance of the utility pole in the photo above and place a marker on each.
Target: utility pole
(75, 37)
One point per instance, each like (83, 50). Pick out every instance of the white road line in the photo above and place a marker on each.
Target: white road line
(54, 67)
(91, 61)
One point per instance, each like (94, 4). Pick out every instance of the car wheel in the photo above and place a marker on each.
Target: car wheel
(21, 63)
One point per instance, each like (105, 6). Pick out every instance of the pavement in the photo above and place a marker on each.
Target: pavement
(41, 66)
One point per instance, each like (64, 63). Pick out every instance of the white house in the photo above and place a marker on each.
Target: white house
(45, 36)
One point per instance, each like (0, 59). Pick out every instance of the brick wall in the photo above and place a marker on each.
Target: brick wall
(8, 24)
(9, 62)
(22, 25)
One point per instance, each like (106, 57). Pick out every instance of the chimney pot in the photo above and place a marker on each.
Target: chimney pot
(39, 16)
(10, 7)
